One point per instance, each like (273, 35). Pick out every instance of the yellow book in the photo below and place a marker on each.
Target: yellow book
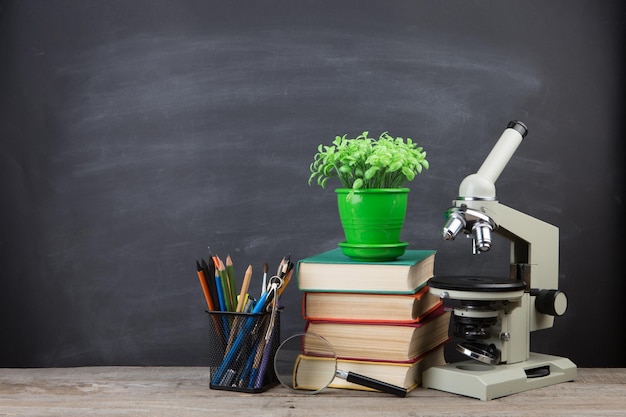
(313, 372)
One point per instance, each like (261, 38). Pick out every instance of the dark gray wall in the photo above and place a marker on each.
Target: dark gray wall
(135, 134)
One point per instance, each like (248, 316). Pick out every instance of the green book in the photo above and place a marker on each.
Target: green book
(332, 271)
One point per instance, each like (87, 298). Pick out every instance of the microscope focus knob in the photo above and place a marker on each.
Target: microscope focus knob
(551, 302)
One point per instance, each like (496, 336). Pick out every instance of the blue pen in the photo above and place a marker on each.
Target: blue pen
(267, 352)
(260, 373)
(258, 357)
(246, 372)
(232, 352)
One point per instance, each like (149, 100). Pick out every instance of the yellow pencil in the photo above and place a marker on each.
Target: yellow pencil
(244, 289)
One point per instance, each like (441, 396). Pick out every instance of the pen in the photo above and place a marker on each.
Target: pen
(247, 371)
(268, 339)
(264, 283)
(234, 349)
(279, 271)
(267, 350)
(258, 355)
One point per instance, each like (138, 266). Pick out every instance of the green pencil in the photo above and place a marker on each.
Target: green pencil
(225, 284)
(230, 271)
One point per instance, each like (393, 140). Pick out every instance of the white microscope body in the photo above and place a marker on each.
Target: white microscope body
(496, 316)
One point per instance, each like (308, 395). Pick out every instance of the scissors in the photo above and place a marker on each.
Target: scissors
(275, 283)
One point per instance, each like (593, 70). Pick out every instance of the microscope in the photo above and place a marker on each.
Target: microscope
(494, 316)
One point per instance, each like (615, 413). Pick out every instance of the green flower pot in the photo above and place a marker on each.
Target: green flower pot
(372, 221)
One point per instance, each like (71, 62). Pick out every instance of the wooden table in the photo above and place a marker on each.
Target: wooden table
(184, 391)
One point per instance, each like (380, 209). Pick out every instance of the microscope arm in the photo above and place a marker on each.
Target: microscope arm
(535, 251)
(533, 242)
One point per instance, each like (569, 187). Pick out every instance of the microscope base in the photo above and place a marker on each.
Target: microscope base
(486, 382)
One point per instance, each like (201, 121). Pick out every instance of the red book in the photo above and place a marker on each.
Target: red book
(383, 341)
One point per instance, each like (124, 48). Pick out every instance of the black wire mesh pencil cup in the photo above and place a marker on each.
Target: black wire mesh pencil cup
(243, 346)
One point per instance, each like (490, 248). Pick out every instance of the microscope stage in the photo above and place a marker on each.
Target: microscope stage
(476, 287)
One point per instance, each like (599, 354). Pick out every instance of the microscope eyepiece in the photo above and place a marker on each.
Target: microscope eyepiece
(519, 126)
(481, 185)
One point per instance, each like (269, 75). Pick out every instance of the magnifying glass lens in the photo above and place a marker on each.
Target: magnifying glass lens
(305, 362)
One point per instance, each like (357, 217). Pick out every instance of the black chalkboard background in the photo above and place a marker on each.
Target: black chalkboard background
(135, 134)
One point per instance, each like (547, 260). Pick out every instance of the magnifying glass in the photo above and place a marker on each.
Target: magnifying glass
(307, 363)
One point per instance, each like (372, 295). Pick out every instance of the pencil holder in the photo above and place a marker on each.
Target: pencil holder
(243, 346)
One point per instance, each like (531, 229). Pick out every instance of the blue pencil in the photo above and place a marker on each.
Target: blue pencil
(222, 302)
(220, 293)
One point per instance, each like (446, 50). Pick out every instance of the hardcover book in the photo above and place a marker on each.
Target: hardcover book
(403, 374)
(382, 341)
(369, 307)
(332, 271)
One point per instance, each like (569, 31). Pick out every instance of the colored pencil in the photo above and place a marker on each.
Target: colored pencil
(209, 273)
(244, 289)
(220, 291)
(286, 280)
(204, 283)
(224, 282)
(232, 284)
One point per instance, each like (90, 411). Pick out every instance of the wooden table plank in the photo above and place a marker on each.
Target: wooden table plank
(184, 391)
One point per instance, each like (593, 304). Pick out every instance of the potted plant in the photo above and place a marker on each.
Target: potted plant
(373, 197)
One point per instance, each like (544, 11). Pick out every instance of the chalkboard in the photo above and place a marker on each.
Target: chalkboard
(136, 135)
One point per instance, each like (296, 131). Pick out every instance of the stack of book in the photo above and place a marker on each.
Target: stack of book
(378, 316)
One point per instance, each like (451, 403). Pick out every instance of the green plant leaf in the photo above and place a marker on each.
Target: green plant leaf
(369, 174)
(395, 166)
(364, 162)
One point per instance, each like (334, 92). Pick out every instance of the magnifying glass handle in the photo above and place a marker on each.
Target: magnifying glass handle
(372, 383)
